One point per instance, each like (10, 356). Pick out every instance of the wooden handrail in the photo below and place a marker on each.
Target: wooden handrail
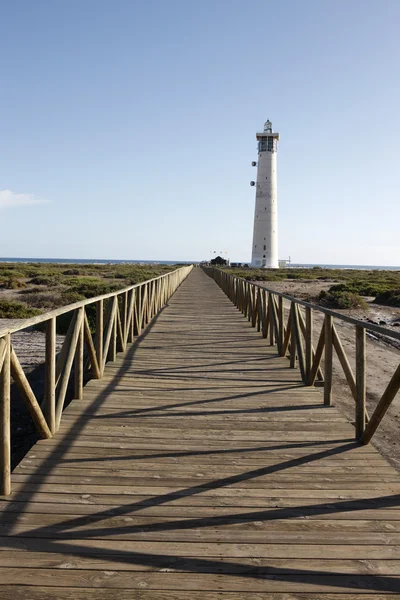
(140, 303)
(290, 337)
(370, 326)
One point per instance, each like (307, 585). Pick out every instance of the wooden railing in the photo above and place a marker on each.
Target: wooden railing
(120, 317)
(294, 336)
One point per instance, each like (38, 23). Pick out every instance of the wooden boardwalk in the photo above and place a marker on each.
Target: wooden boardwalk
(201, 467)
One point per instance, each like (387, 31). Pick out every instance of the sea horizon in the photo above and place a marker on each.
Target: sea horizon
(112, 261)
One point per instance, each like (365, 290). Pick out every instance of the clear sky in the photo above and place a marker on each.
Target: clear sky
(128, 127)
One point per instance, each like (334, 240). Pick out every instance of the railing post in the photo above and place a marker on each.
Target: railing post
(360, 381)
(309, 337)
(328, 366)
(124, 317)
(138, 311)
(79, 357)
(299, 344)
(50, 376)
(265, 315)
(281, 319)
(130, 335)
(152, 300)
(254, 306)
(99, 334)
(271, 320)
(292, 337)
(5, 429)
(113, 343)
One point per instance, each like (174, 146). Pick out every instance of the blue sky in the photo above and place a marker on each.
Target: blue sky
(128, 128)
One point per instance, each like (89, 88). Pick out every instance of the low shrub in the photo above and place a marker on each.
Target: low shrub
(11, 273)
(45, 300)
(389, 298)
(341, 299)
(72, 272)
(47, 281)
(94, 288)
(11, 283)
(363, 288)
(16, 310)
(70, 297)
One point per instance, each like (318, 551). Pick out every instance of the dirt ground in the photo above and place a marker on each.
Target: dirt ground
(383, 358)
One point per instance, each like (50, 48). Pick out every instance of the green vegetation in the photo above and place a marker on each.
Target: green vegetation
(341, 299)
(27, 289)
(16, 310)
(11, 283)
(47, 281)
(361, 277)
(390, 298)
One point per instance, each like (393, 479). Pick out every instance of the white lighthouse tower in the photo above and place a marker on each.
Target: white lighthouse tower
(265, 235)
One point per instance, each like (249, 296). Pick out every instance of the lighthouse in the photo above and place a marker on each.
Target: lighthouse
(265, 234)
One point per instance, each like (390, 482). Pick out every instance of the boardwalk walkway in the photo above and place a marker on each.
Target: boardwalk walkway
(201, 467)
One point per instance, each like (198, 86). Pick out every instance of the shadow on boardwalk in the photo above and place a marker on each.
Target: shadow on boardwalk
(196, 473)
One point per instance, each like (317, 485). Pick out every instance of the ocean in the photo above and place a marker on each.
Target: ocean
(92, 261)
(362, 267)
(111, 261)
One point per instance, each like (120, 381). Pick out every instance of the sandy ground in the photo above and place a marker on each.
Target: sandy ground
(29, 345)
(382, 360)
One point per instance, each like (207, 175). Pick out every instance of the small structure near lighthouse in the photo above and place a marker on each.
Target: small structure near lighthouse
(265, 234)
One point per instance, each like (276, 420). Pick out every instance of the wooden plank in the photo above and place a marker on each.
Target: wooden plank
(64, 510)
(90, 593)
(247, 565)
(50, 592)
(284, 580)
(340, 491)
(283, 549)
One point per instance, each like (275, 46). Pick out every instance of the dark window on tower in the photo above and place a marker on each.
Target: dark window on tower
(265, 247)
(266, 144)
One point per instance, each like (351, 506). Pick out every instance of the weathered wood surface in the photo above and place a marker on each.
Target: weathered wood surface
(200, 466)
